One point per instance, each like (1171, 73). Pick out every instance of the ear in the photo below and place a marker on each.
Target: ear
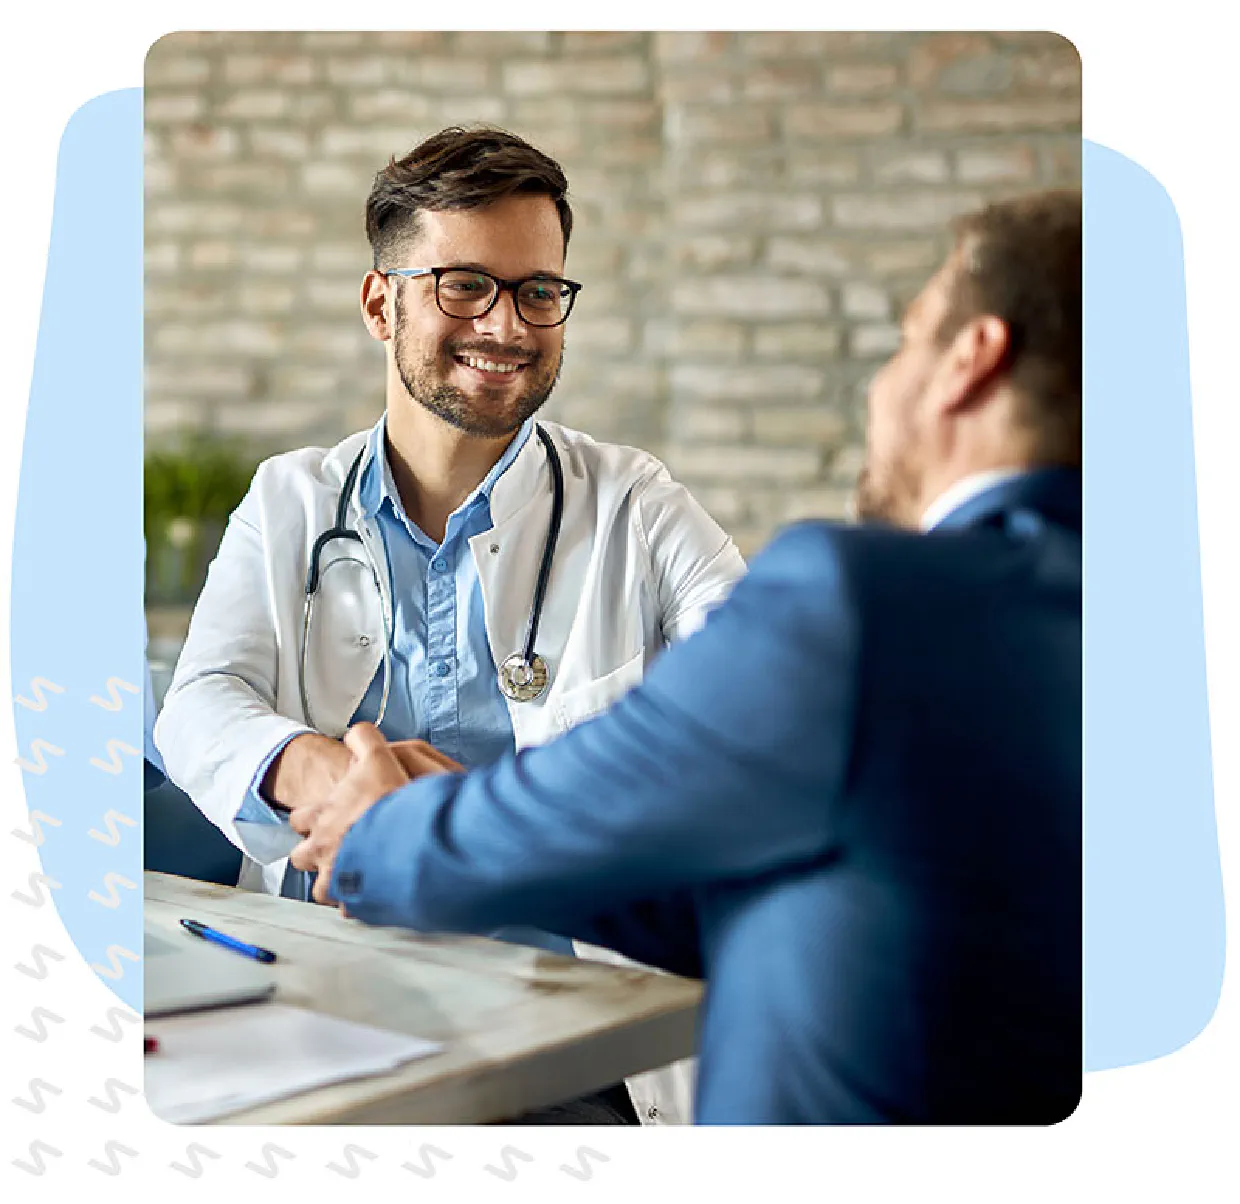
(977, 354)
(374, 304)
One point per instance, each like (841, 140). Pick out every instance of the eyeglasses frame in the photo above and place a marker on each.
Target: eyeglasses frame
(501, 286)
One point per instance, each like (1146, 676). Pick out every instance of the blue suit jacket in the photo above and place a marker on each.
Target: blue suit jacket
(852, 803)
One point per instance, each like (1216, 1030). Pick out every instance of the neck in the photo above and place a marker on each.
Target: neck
(435, 467)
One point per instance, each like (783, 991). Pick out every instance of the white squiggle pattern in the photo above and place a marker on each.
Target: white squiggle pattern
(36, 897)
(351, 1169)
(508, 1156)
(583, 1170)
(40, 955)
(114, 702)
(36, 1103)
(111, 1149)
(427, 1170)
(39, 1032)
(111, 880)
(270, 1168)
(195, 1168)
(113, 1087)
(37, 686)
(36, 836)
(114, 970)
(37, 749)
(115, 765)
(113, 836)
(114, 1015)
(36, 1165)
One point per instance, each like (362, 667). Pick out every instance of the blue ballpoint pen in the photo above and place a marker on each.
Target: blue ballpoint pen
(229, 942)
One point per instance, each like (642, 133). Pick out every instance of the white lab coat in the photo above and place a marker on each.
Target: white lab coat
(638, 564)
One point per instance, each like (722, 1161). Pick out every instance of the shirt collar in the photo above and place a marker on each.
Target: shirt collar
(378, 484)
(965, 490)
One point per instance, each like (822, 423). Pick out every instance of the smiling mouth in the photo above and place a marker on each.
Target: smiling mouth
(496, 369)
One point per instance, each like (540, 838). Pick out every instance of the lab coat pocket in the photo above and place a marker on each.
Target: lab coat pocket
(584, 702)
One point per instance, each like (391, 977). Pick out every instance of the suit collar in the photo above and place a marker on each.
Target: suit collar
(1053, 493)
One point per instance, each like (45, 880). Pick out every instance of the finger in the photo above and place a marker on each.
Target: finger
(417, 757)
(303, 856)
(302, 819)
(322, 884)
(363, 739)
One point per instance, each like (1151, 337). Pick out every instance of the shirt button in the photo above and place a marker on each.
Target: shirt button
(442, 669)
(652, 1113)
(349, 882)
(440, 566)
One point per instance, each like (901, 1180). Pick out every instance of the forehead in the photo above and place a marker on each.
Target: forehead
(516, 236)
(935, 297)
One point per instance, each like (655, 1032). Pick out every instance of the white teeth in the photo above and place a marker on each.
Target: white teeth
(489, 365)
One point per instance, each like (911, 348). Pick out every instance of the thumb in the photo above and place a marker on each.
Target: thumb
(364, 739)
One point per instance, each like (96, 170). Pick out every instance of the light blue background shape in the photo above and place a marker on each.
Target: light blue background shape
(1154, 930)
(1153, 893)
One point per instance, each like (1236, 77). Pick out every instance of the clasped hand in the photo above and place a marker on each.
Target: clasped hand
(377, 768)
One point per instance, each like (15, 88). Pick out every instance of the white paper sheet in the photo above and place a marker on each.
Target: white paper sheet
(214, 1063)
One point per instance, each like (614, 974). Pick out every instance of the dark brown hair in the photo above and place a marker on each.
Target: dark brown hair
(457, 169)
(1020, 260)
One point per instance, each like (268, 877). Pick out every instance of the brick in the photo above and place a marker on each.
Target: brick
(705, 339)
(262, 178)
(161, 416)
(686, 85)
(782, 81)
(800, 425)
(718, 424)
(822, 168)
(911, 167)
(273, 258)
(890, 211)
(936, 54)
(725, 506)
(589, 257)
(341, 257)
(167, 108)
(439, 75)
(597, 43)
(620, 151)
(788, 465)
(196, 217)
(159, 177)
(718, 124)
(874, 339)
(168, 68)
(200, 141)
(282, 223)
(722, 168)
(374, 143)
(270, 69)
(1061, 162)
(997, 165)
(858, 120)
(709, 252)
(237, 337)
(161, 258)
(1058, 69)
(280, 142)
(834, 504)
(862, 300)
(382, 104)
(796, 340)
(500, 45)
(308, 382)
(336, 295)
(741, 210)
(255, 104)
(202, 380)
(621, 114)
(689, 47)
(920, 257)
(271, 416)
(312, 107)
(818, 256)
(612, 336)
(846, 464)
(1004, 116)
(212, 255)
(755, 385)
(752, 297)
(266, 300)
(790, 44)
(187, 297)
(466, 110)
(322, 41)
(577, 77)
(356, 71)
(325, 178)
(860, 79)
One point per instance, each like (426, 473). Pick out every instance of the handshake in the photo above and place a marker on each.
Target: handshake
(327, 786)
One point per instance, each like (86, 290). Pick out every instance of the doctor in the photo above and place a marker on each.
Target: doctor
(459, 574)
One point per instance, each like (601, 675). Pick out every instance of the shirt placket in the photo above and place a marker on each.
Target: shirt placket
(443, 663)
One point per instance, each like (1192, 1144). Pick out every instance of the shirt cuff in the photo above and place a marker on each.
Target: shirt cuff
(254, 807)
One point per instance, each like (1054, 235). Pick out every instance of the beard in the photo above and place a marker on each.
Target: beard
(888, 491)
(491, 413)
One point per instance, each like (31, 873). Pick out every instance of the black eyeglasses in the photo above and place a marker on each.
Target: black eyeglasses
(471, 293)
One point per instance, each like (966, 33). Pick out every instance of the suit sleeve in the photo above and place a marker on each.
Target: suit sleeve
(724, 763)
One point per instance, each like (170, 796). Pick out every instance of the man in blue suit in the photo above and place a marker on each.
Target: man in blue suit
(852, 802)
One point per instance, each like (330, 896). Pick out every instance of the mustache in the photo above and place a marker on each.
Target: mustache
(500, 350)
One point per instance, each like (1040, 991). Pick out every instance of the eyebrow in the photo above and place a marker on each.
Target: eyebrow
(541, 274)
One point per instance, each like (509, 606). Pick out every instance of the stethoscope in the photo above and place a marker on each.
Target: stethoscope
(523, 676)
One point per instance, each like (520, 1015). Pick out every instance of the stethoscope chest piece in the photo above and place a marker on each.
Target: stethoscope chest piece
(523, 680)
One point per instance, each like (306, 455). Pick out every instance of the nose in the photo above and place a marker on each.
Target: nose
(503, 323)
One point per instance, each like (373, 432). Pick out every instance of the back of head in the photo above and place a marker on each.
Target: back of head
(457, 169)
(1020, 260)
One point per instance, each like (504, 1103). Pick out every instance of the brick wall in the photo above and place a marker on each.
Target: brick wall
(752, 210)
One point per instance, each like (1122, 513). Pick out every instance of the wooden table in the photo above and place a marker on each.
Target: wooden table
(521, 1028)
